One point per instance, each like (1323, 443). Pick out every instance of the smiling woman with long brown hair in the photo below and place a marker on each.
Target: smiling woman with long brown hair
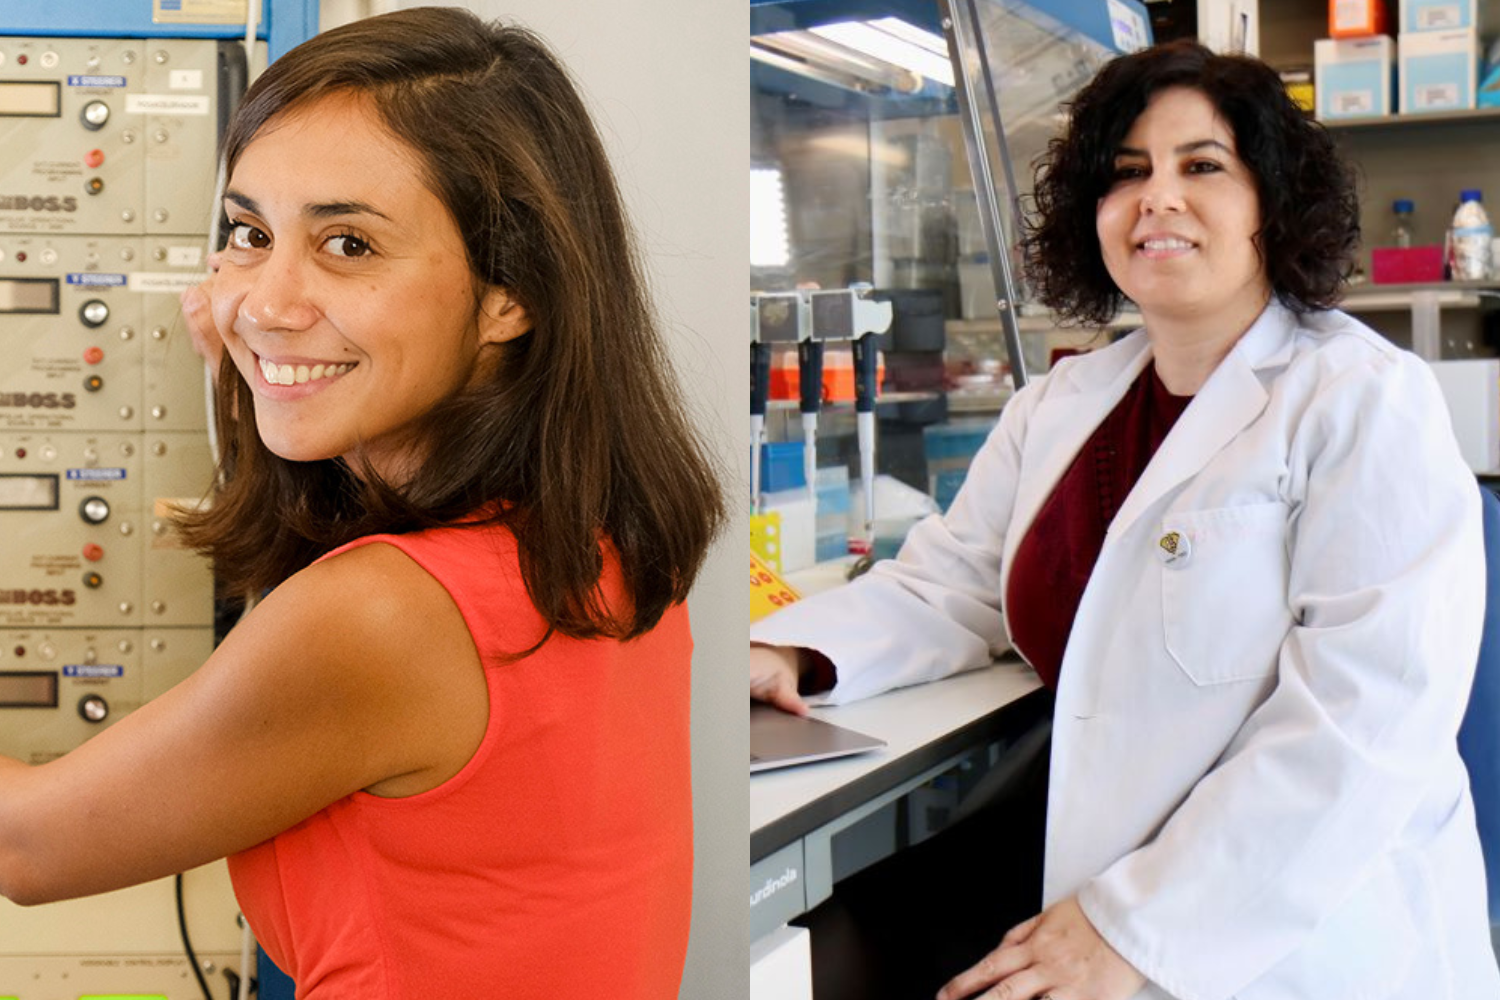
(448, 754)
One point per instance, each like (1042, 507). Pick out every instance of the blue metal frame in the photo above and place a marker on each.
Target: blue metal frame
(284, 24)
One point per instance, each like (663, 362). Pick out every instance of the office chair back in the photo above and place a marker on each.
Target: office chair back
(1479, 736)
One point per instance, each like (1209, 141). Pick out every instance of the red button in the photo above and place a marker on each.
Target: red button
(94, 355)
(94, 157)
(92, 552)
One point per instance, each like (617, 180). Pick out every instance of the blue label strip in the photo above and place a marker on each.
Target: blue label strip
(113, 280)
(96, 81)
(93, 670)
(96, 475)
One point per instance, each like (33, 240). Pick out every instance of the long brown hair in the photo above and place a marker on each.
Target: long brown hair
(577, 436)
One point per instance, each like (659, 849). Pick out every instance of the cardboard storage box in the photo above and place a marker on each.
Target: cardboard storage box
(1438, 15)
(1354, 76)
(1439, 70)
(1357, 18)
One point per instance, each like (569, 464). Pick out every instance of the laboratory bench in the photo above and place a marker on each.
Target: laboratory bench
(814, 824)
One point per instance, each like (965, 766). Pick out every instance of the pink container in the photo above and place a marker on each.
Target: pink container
(1406, 265)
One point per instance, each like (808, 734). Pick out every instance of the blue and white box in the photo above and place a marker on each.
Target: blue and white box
(1354, 77)
(1439, 71)
(1438, 15)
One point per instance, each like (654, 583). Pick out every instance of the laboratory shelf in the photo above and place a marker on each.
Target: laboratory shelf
(1435, 119)
(1398, 298)
(1040, 322)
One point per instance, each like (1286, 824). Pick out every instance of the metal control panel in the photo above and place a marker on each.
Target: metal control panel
(106, 200)
(92, 336)
(105, 203)
(108, 135)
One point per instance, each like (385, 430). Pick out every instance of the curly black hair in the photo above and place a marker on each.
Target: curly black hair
(1309, 209)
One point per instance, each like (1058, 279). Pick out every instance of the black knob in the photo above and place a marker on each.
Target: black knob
(94, 312)
(94, 510)
(94, 115)
(93, 708)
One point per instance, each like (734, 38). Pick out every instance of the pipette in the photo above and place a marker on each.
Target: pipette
(853, 314)
(866, 357)
(760, 388)
(810, 377)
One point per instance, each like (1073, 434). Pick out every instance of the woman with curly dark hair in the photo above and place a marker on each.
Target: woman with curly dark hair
(1241, 547)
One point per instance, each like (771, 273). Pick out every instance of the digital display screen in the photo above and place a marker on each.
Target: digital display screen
(19, 492)
(22, 689)
(28, 295)
(30, 99)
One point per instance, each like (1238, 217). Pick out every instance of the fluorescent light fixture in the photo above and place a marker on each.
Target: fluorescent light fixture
(769, 246)
(894, 41)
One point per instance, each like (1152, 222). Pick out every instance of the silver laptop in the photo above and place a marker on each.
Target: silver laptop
(779, 739)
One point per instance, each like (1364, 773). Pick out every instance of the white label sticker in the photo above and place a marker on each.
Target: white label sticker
(1350, 15)
(184, 256)
(165, 282)
(1354, 102)
(1128, 25)
(1436, 95)
(1438, 16)
(198, 12)
(165, 104)
(185, 79)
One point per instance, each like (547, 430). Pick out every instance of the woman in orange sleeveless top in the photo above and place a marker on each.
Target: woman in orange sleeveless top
(448, 754)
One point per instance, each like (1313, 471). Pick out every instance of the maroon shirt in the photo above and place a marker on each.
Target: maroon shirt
(1053, 562)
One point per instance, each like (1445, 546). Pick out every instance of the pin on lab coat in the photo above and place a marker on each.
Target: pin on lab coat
(1255, 786)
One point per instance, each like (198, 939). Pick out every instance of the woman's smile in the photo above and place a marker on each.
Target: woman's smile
(299, 372)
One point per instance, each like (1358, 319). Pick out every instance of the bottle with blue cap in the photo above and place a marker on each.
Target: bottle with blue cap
(1469, 238)
(1401, 234)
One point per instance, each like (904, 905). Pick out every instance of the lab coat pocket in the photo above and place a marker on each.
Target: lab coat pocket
(1223, 590)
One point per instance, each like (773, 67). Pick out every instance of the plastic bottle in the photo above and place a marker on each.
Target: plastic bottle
(1401, 234)
(1469, 238)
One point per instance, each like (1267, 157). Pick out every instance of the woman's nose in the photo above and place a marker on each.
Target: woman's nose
(278, 298)
(1161, 194)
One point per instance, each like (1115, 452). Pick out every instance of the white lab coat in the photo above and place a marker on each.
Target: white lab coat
(1255, 786)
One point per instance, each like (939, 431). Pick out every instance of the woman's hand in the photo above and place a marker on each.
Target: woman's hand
(1055, 954)
(197, 314)
(774, 671)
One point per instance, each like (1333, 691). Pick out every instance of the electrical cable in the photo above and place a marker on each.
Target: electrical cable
(187, 944)
(210, 380)
(252, 25)
(247, 945)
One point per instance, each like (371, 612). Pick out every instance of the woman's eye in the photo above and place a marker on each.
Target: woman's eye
(243, 236)
(347, 245)
(1204, 167)
(1129, 173)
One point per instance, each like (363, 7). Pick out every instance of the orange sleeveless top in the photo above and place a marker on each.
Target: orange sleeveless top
(557, 863)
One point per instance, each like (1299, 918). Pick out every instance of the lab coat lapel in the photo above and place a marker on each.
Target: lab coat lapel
(1061, 424)
(1232, 397)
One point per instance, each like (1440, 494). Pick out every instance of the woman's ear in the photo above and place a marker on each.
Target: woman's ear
(501, 317)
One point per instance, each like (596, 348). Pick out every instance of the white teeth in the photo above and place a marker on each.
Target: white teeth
(290, 375)
(1166, 245)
